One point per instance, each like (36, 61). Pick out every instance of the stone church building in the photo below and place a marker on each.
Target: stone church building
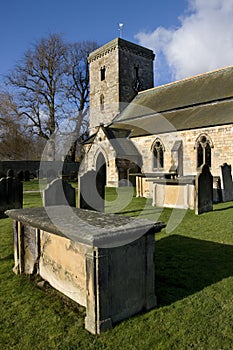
(156, 138)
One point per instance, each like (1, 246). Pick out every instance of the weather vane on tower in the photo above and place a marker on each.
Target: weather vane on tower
(120, 28)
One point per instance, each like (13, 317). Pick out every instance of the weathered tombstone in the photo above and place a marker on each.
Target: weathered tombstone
(14, 192)
(204, 190)
(91, 191)
(20, 175)
(217, 190)
(27, 175)
(3, 196)
(11, 194)
(104, 262)
(10, 173)
(59, 192)
(226, 183)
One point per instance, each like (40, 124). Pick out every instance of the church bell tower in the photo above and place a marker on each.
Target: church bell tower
(118, 71)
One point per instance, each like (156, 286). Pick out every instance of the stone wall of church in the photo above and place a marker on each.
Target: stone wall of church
(221, 152)
(220, 136)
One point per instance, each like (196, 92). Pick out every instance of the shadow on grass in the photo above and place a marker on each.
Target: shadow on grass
(9, 257)
(185, 266)
(223, 209)
(146, 211)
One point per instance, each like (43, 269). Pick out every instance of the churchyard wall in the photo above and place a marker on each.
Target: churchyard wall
(33, 167)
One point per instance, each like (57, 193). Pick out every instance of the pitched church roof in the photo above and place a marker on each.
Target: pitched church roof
(123, 146)
(200, 101)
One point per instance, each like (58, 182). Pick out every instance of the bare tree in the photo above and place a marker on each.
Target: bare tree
(78, 88)
(38, 82)
(51, 84)
(15, 141)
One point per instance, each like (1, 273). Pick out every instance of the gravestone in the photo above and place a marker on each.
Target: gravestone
(11, 194)
(20, 175)
(204, 190)
(104, 262)
(217, 190)
(91, 191)
(59, 192)
(226, 183)
(10, 173)
(3, 196)
(14, 193)
(27, 175)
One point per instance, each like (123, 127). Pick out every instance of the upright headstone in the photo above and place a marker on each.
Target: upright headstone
(14, 193)
(204, 190)
(59, 192)
(10, 173)
(20, 175)
(11, 194)
(91, 191)
(27, 175)
(217, 190)
(226, 183)
(3, 196)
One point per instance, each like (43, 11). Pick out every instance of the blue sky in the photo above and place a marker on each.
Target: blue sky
(188, 36)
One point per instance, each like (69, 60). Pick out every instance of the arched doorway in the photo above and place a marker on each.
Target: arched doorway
(101, 176)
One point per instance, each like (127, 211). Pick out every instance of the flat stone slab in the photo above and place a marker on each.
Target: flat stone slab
(85, 226)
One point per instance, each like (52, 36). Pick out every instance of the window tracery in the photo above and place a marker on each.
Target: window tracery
(203, 146)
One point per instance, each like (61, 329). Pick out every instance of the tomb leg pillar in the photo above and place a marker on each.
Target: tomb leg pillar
(150, 297)
(90, 320)
(103, 290)
(18, 247)
(97, 317)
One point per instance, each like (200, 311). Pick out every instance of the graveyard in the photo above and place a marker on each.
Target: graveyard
(193, 282)
(118, 236)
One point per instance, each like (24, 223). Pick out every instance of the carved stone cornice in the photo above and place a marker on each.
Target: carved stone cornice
(123, 45)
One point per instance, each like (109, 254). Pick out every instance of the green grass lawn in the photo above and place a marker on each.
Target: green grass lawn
(194, 286)
(36, 185)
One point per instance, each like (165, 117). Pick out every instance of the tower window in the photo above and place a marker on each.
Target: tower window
(102, 102)
(203, 146)
(102, 73)
(136, 71)
(137, 84)
(158, 155)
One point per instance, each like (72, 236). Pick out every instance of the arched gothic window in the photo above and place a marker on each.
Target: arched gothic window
(158, 155)
(203, 146)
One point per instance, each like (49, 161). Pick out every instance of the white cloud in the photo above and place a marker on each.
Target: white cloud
(202, 42)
